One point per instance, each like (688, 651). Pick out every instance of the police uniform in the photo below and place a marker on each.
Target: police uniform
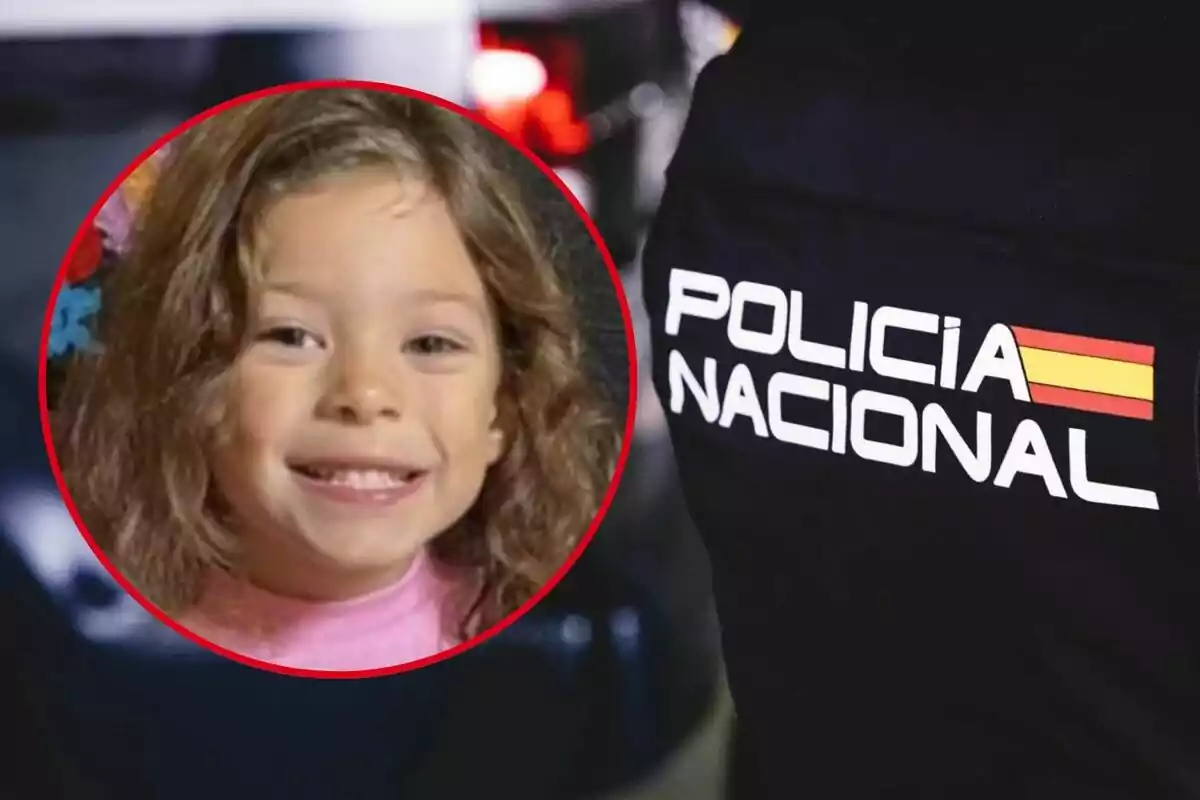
(923, 303)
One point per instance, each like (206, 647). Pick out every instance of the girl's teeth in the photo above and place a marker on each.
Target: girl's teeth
(364, 479)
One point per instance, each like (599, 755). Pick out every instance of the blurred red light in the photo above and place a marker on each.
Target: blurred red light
(526, 87)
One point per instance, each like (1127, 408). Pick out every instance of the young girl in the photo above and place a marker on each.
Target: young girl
(337, 418)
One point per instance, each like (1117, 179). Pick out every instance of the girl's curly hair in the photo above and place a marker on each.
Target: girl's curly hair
(135, 419)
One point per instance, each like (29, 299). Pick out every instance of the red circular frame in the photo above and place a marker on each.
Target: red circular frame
(80, 239)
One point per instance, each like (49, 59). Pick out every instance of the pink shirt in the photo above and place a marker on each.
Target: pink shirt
(406, 621)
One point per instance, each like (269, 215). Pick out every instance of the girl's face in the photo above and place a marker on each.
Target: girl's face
(362, 408)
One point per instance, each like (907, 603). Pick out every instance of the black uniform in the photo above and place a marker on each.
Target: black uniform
(924, 310)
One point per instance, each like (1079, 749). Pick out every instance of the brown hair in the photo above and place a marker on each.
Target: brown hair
(135, 421)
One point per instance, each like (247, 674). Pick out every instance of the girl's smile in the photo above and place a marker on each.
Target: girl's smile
(359, 482)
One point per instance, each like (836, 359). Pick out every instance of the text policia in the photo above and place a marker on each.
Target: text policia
(999, 357)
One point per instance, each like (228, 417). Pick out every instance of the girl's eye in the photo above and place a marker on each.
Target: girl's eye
(433, 345)
(290, 336)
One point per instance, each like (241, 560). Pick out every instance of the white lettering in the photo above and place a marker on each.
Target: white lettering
(742, 399)
(950, 343)
(977, 465)
(702, 296)
(998, 357)
(811, 352)
(1029, 453)
(838, 429)
(1103, 493)
(887, 317)
(682, 300)
(901, 455)
(706, 397)
(793, 433)
(770, 342)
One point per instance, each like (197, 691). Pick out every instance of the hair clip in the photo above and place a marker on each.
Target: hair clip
(73, 309)
(105, 240)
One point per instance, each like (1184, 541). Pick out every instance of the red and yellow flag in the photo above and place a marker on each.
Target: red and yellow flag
(1104, 376)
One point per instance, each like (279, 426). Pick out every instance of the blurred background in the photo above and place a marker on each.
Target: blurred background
(611, 689)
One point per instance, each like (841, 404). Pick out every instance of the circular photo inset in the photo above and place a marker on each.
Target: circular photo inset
(326, 384)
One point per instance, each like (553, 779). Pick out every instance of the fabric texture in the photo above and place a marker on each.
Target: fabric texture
(408, 621)
(924, 325)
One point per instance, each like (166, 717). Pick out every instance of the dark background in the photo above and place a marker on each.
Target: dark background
(600, 692)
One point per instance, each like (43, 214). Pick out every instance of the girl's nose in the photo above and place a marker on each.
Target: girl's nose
(360, 391)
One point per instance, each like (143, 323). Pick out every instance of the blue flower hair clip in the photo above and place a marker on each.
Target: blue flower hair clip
(74, 308)
(101, 244)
